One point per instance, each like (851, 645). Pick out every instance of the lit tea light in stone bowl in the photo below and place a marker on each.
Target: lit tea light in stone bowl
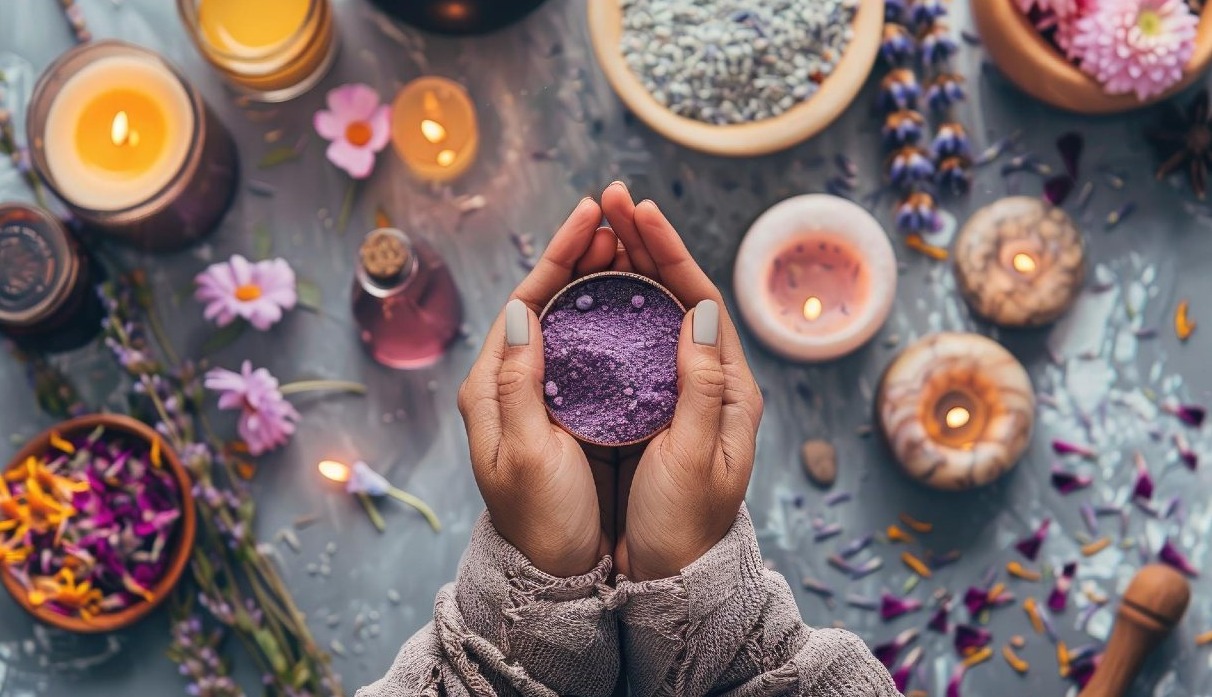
(815, 277)
(956, 410)
(1020, 262)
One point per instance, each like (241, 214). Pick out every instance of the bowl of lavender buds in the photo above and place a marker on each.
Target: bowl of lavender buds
(97, 523)
(736, 78)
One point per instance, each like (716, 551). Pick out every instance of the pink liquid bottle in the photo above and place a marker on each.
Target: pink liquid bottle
(404, 300)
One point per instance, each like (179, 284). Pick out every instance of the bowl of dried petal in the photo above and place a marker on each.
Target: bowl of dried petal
(736, 83)
(97, 523)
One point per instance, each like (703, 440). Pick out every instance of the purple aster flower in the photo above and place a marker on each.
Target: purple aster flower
(259, 292)
(899, 90)
(267, 420)
(1029, 546)
(357, 125)
(908, 167)
(897, 46)
(936, 46)
(944, 91)
(918, 213)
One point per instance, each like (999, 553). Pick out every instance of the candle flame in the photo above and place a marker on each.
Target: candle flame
(336, 471)
(119, 131)
(1023, 263)
(433, 131)
(813, 308)
(446, 158)
(957, 417)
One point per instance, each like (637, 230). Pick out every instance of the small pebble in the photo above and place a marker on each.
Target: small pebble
(584, 303)
(820, 462)
(330, 548)
(337, 647)
(393, 595)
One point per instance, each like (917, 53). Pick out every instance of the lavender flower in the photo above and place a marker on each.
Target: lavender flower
(936, 45)
(944, 91)
(899, 90)
(897, 46)
(951, 140)
(918, 213)
(908, 167)
(903, 127)
(954, 175)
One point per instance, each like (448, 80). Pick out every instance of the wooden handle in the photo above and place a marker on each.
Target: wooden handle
(1154, 603)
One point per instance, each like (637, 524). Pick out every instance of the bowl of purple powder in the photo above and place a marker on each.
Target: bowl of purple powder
(610, 346)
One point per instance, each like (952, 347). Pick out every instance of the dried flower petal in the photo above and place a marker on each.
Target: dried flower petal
(1185, 453)
(1059, 597)
(1096, 546)
(1169, 554)
(1068, 482)
(1058, 188)
(1190, 414)
(916, 565)
(1184, 326)
(1143, 489)
(1018, 664)
(969, 638)
(1063, 447)
(940, 622)
(918, 244)
(855, 546)
(887, 652)
(1089, 518)
(1017, 570)
(1032, 610)
(895, 534)
(957, 678)
(1203, 639)
(1118, 215)
(1029, 547)
(916, 525)
(901, 676)
(892, 607)
(811, 584)
(1070, 147)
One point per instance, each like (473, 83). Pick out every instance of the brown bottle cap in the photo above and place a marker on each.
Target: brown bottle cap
(385, 254)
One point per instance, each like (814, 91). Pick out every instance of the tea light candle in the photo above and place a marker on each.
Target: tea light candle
(815, 277)
(272, 50)
(434, 128)
(956, 409)
(129, 146)
(1020, 262)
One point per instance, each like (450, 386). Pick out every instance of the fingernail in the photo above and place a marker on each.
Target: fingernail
(706, 329)
(651, 203)
(617, 182)
(517, 323)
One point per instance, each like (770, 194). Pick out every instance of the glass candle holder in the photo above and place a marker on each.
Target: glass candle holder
(434, 128)
(956, 409)
(270, 50)
(118, 134)
(459, 16)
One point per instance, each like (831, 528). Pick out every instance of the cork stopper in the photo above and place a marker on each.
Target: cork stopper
(386, 255)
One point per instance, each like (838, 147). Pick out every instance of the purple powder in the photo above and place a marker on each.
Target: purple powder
(612, 358)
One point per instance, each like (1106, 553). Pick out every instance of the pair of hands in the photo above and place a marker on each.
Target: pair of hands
(659, 506)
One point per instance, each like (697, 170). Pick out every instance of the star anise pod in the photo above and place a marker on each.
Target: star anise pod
(1183, 141)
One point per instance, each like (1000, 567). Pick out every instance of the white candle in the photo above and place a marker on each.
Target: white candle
(117, 132)
(815, 277)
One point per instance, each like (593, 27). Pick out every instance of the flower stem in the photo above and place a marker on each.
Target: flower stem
(347, 207)
(322, 385)
(422, 507)
(376, 518)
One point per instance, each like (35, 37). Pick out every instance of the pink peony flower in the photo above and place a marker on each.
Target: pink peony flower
(258, 292)
(1136, 46)
(267, 420)
(358, 126)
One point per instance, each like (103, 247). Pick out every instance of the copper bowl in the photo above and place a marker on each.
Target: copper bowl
(1038, 68)
(792, 127)
(181, 545)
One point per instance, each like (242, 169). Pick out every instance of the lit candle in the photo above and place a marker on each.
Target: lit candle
(815, 277)
(434, 128)
(129, 146)
(956, 409)
(272, 50)
(365, 483)
(1020, 262)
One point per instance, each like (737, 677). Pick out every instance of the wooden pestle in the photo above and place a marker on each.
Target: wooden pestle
(1153, 604)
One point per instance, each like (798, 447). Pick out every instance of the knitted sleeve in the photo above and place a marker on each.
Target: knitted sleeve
(729, 626)
(506, 628)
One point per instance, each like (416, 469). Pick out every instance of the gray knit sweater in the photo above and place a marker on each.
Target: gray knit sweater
(725, 626)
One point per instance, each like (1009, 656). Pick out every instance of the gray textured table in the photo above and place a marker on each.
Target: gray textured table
(553, 133)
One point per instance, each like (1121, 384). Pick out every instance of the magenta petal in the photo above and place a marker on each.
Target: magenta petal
(888, 651)
(1144, 483)
(969, 638)
(892, 607)
(940, 621)
(1058, 188)
(1067, 482)
(1064, 447)
(1029, 547)
(957, 677)
(1059, 597)
(976, 600)
(1070, 147)
(1190, 414)
(904, 672)
(1169, 554)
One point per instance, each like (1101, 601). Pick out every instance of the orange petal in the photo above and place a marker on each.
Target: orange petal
(915, 242)
(1183, 324)
(62, 445)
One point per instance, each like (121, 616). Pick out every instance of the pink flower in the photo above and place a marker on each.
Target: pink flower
(1136, 46)
(267, 420)
(358, 126)
(258, 292)
(1060, 8)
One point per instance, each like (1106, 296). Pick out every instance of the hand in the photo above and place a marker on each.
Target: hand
(544, 496)
(679, 495)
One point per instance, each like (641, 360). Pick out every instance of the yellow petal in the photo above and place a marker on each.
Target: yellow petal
(155, 452)
(62, 445)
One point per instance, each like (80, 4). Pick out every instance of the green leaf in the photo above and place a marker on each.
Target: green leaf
(301, 674)
(277, 156)
(263, 241)
(224, 337)
(310, 297)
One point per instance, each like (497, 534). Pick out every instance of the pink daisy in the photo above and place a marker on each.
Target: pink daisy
(266, 420)
(238, 288)
(358, 126)
(1136, 46)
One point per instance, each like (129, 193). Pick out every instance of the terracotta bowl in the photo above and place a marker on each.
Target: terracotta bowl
(1037, 67)
(792, 127)
(181, 546)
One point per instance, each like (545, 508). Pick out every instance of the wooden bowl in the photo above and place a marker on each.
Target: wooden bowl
(182, 546)
(792, 127)
(1038, 68)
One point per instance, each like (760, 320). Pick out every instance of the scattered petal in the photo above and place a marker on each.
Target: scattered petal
(1089, 518)
(1203, 639)
(1143, 489)
(1058, 188)
(855, 546)
(1032, 610)
(1070, 147)
(1118, 215)
(903, 673)
(916, 525)
(1096, 546)
(1068, 482)
(918, 244)
(1063, 447)
(888, 652)
(1018, 664)
(916, 565)
(969, 639)
(1029, 547)
(892, 607)
(1017, 570)
(815, 586)
(1169, 554)
(1190, 414)
(1185, 453)
(895, 534)
(1058, 599)
(940, 622)
(1184, 326)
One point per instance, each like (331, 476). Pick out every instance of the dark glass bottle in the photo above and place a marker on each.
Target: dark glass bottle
(404, 300)
(458, 16)
(47, 290)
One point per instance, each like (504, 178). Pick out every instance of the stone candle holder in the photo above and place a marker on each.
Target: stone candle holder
(610, 343)
(956, 410)
(1020, 262)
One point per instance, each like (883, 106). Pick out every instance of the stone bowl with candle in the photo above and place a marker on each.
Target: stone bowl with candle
(815, 277)
(127, 528)
(610, 344)
(814, 98)
(1019, 262)
(956, 410)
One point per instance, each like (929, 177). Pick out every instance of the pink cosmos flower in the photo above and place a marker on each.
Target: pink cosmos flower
(258, 292)
(267, 420)
(1136, 46)
(358, 126)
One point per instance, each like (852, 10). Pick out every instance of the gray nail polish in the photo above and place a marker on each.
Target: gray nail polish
(517, 323)
(618, 182)
(706, 329)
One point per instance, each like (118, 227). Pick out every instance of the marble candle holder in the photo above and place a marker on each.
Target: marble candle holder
(815, 277)
(956, 410)
(1020, 262)
(610, 343)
